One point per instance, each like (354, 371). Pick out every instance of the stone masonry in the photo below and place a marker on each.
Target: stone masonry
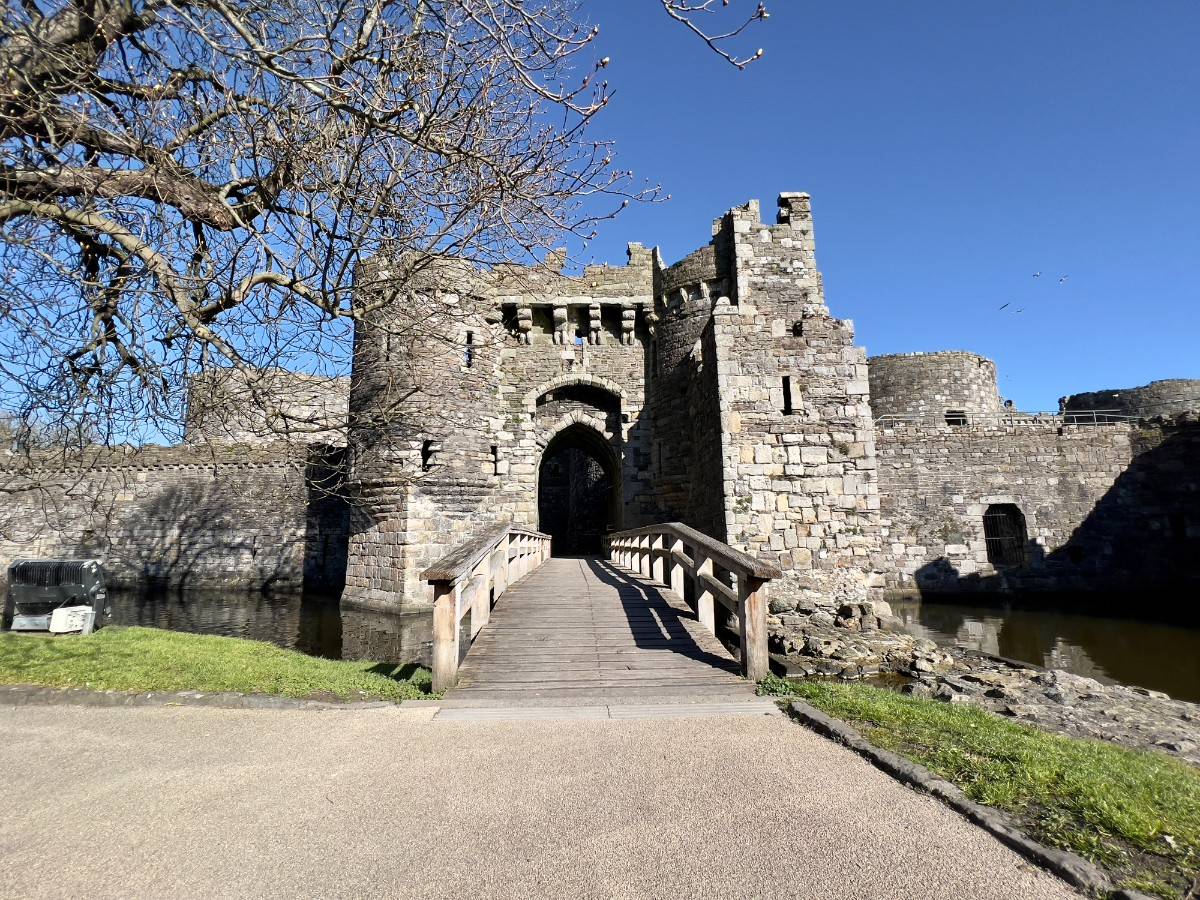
(718, 391)
(251, 518)
(1170, 398)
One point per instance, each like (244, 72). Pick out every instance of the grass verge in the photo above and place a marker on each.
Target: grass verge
(150, 659)
(1135, 813)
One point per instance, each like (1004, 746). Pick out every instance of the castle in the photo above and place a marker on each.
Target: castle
(718, 391)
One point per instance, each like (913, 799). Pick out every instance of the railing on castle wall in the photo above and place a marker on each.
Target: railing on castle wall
(669, 552)
(472, 578)
(965, 419)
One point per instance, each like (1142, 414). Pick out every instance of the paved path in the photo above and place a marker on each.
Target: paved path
(584, 631)
(191, 802)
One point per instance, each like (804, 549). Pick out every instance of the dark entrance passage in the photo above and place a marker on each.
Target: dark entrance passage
(577, 490)
(1004, 532)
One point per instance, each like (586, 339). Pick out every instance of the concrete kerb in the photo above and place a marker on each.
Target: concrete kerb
(1071, 868)
(35, 695)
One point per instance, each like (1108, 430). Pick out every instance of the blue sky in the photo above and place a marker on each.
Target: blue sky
(952, 150)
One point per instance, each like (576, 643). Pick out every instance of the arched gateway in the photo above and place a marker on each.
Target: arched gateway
(578, 490)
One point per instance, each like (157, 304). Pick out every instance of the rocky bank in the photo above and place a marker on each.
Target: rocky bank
(864, 640)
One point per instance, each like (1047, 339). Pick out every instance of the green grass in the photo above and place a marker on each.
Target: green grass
(1136, 813)
(149, 659)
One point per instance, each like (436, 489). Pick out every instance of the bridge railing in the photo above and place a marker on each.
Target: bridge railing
(670, 552)
(1007, 419)
(472, 577)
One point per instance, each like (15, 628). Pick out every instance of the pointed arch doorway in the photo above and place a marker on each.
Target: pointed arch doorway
(578, 491)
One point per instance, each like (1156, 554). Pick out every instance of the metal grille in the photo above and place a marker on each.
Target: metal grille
(46, 573)
(1004, 532)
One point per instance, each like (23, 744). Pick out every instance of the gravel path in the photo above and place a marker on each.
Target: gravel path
(197, 802)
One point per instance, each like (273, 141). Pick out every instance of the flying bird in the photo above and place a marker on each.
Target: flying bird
(1037, 274)
(1063, 278)
(1006, 304)
(1021, 310)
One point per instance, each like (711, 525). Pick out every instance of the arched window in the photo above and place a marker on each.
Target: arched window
(1004, 533)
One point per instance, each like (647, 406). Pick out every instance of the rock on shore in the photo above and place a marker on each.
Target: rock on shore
(864, 640)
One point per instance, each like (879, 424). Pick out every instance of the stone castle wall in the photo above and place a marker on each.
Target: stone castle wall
(1168, 398)
(799, 454)
(230, 406)
(1106, 507)
(723, 391)
(527, 355)
(239, 517)
(685, 458)
(929, 387)
(719, 392)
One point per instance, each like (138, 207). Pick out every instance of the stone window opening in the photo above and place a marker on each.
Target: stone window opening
(798, 328)
(429, 452)
(654, 356)
(543, 325)
(495, 459)
(1005, 535)
(469, 350)
(789, 399)
(509, 319)
(956, 418)
(610, 322)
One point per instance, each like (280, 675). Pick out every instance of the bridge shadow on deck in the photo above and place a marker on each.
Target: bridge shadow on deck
(579, 629)
(656, 622)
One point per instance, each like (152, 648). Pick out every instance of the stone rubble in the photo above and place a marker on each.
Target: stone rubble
(864, 640)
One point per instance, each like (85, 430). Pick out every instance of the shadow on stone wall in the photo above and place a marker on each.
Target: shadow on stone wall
(327, 522)
(1137, 549)
(265, 530)
(191, 534)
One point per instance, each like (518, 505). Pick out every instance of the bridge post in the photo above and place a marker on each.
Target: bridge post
(657, 563)
(445, 636)
(705, 611)
(500, 567)
(676, 567)
(481, 596)
(752, 611)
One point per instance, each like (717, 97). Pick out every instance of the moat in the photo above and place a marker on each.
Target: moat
(317, 626)
(1152, 655)
(1147, 654)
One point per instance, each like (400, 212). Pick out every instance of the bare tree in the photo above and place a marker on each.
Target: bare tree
(189, 184)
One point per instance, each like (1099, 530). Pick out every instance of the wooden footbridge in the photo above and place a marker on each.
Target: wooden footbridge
(587, 630)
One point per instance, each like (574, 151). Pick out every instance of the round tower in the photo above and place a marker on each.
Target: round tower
(1169, 397)
(950, 387)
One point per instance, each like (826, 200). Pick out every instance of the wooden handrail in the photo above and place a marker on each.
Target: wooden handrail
(472, 577)
(668, 552)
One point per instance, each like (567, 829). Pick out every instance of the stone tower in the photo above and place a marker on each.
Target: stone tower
(798, 472)
(718, 391)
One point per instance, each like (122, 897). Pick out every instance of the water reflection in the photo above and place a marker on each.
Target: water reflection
(316, 626)
(1148, 654)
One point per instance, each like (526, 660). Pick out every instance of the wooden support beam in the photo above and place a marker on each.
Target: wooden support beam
(657, 562)
(481, 602)
(752, 611)
(677, 566)
(705, 611)
(720, 591)
(445, 636)
(500, 570)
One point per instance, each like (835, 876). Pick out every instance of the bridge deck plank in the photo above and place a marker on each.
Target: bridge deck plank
(582, 628)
